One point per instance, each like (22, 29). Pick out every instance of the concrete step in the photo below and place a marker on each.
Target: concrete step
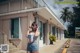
(20, 51)
(13, 50)
(11, 46)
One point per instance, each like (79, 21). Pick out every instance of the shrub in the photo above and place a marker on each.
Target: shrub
(52, 38)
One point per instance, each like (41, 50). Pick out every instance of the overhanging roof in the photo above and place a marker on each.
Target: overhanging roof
(47, 14)
(43, 11)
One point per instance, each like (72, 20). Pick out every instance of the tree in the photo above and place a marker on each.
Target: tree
(72, 17)
(76, 21)
(67, 16)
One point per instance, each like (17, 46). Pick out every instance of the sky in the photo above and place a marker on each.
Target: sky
(57, 8)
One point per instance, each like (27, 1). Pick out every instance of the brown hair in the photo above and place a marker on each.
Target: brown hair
(34, 24)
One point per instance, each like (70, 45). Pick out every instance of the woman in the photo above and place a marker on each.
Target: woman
(33, 34)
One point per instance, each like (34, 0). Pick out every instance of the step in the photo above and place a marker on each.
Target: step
(20, 51)
(11, 46)
(13, 50)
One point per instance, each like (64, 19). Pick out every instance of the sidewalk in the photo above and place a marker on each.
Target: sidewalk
(52, 48)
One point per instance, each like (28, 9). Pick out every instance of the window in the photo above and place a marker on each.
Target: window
(15, 28)
(53, 30)
(41, 30)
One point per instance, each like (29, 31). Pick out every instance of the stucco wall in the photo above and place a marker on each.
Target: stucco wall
(25, 23)
(6, 28)
(0, 25)
(26, 20)
(1, 36)
(16, 5)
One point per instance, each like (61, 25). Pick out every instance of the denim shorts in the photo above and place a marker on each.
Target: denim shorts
(32, 47)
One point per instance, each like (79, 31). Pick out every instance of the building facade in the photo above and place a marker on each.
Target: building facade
(17, 15)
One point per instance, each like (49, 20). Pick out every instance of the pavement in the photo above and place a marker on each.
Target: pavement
(53, 48)
(74, 46)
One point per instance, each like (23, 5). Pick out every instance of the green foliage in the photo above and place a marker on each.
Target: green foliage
(66, 34)
(67, 15)
(52, 37)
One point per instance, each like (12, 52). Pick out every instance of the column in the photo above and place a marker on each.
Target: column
(59, 34)
(47, 33)
(56, 33)
(62, 34)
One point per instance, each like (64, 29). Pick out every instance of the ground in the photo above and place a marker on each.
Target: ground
(74, 46)
(59, 46)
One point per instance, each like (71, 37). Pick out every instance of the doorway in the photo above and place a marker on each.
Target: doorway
(42, 27)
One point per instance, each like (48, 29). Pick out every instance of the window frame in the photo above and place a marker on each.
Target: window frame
(20, 33)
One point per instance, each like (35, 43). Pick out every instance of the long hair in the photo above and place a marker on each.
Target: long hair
(32, 26)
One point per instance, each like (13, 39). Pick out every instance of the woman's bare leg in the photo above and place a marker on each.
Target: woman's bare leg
(29, 51)
(35, 52)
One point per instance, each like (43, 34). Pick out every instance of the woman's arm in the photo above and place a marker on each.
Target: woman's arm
(37, 33)
(29, 36)
(28, 32)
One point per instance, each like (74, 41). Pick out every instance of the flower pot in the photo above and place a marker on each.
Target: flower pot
(54, 42)
(51, 42)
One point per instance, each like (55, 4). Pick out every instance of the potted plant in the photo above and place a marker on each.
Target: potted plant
(52, 38)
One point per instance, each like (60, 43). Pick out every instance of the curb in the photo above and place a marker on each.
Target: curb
(64, 50)
(67, 45)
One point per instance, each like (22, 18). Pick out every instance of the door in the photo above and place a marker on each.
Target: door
(41, 34)
(44, 30)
